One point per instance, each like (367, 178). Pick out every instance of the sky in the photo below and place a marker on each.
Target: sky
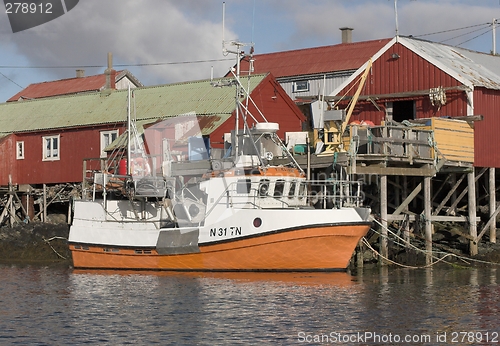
(168, 41)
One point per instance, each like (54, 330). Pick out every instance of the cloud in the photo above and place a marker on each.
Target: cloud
(160, 31)
(317, 23)
(136, 32)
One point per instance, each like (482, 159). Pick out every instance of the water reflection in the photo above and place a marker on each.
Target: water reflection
(52, 306)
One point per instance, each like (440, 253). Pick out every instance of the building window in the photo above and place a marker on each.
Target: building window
(403, 110)
(20, 150)
(107, 137)
(300, 86)
(50, 148)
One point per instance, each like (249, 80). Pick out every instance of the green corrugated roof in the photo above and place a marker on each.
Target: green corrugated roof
(153, 103)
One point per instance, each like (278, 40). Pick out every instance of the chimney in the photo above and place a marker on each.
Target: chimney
(110, 74)
(80, 73)
(346, 34)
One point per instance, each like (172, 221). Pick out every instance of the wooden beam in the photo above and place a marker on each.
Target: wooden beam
(437, 218)
(378, 170)
(427, 219)
(441, 187)
(448, 196)
(5, 209)
(492, 193)
(471, 182)
(383, 215)
(465, 190)
(491, 221)
(408, 199)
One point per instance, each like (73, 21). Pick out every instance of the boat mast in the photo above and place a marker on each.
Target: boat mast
(239, 53)
(128, 133)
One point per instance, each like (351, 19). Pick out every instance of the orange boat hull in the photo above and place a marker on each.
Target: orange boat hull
(315, 248)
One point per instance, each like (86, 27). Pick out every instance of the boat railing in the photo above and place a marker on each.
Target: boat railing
(112, 171)
(320, 194)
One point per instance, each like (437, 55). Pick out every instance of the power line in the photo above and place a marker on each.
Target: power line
(441, 32)
(467, 33)
(117, 65)
(11, 80)
(487, 31)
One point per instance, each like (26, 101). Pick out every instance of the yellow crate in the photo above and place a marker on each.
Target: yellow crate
(454, 138)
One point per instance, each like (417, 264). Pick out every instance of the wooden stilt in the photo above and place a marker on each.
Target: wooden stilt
(12, 211)
(427, 218)
(471, 182)
(493, 205)
(383, 215)
(44, 203)
(359, 254)
(406, 230)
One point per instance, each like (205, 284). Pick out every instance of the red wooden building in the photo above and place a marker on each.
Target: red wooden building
(409, 79)
(45, 141)
(77, 85)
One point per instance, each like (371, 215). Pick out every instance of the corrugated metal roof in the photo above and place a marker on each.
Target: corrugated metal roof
(340, 57)
(68, 86)
(198, 97)
(470, 67)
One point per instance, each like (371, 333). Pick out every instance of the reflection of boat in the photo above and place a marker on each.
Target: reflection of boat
(331, 279)
(241, 212)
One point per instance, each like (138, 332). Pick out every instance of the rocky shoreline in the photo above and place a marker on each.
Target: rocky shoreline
(35, 243)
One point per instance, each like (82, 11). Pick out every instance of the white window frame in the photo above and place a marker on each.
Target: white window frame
(297, 89)
(20, 150)
(51, 148)
(103, 142)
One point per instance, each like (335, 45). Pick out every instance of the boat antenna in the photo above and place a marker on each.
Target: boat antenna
(238, 52)
(253, 21)
(396, 16)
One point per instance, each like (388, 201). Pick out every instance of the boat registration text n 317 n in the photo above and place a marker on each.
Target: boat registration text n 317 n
(225, 231)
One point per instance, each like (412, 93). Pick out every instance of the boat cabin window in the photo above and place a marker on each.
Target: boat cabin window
(243, 185)
(302, 190)
(278, 188)
(291, 192)
(263, 187)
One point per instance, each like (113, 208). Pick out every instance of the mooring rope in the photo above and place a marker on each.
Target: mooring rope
(406, 244)
(48, 242)
(404, 265)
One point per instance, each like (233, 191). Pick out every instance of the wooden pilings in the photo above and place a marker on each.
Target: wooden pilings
(471, 182)
(493, 204)
(436, 201)
(427, 220)
(383, 216)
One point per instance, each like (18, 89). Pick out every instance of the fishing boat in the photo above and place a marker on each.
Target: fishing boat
(246, 211)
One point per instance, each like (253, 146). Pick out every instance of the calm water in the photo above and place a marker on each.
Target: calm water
(47, 306)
